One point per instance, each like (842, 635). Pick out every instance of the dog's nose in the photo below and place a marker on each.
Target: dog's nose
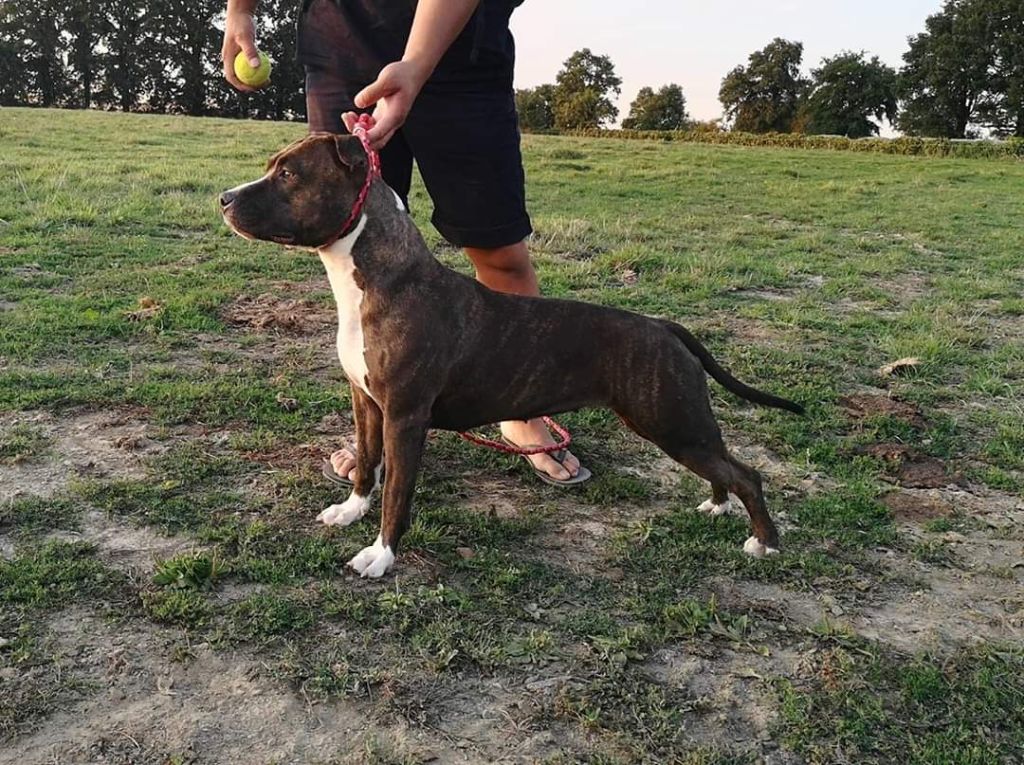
(227, 198)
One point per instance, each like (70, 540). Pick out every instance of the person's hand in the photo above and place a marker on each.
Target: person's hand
(393, 92)
(239, 34)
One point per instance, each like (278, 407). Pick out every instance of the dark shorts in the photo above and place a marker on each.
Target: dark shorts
(462, 132)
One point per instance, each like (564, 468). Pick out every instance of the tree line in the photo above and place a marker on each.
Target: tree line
(151, 56)
(963, 73)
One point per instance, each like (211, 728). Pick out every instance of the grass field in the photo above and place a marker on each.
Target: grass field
(167, 391)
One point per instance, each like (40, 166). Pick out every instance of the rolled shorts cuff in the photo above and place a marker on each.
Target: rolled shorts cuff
(485, 238)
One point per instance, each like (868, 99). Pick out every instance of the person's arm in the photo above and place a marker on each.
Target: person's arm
(239, 34)
(434, 28)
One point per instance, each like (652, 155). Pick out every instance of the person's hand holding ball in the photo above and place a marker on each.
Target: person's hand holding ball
(254, 77)
(245, 66)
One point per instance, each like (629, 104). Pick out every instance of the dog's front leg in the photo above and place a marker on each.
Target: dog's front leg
(403, 443)
(369, 422)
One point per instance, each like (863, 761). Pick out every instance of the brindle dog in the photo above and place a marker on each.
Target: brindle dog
(424, 346)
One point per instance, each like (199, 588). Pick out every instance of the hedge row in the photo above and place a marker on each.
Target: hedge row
(1012, 148)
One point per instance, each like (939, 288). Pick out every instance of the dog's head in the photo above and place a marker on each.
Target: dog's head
(305, 196)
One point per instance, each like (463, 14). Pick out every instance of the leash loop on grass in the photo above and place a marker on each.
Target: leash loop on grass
(522, 450)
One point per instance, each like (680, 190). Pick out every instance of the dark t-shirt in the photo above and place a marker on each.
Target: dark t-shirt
(355, 39)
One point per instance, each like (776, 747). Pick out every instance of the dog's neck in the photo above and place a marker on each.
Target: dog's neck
(383, 245)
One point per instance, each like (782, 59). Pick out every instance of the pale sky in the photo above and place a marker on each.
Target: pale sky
(694, 44)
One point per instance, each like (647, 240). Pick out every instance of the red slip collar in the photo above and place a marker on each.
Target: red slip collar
(363, 124)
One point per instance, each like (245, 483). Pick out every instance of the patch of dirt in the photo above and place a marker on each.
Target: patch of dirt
(862, 406)
(917, 506)
(133, 548)
(147, 708)
(910, 468)
(750, 331)
(290, 457)
(733, 702)
(105, 444)
(768, 293)
(145, 695)
(272, 313)
(801, 609)
(956, 608)
(336, 423)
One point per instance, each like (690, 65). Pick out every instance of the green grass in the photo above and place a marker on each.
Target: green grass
(22, 442)
(863, 706)
(803, 271)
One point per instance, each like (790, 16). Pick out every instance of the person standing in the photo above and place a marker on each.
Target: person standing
(438, 75)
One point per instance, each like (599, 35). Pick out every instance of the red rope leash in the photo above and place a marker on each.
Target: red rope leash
(364, 123)
(524, 451)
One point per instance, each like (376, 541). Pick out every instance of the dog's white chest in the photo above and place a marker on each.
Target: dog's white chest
(337, 259)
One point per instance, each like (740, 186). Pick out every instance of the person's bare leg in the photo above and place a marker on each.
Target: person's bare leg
(509, 269)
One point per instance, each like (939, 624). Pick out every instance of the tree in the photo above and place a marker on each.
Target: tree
(284, 97)
(84, 23)
(126, 47)
(664, 110)
(945, 81)
(187, 37)
(35, 30)
(764, 96)
(15, 78)
(582, 97)
(847, 92)
(536, 108)
(1004, 112)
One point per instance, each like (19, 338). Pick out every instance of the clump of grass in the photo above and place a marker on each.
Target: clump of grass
(22, 442)
(35, 515)
(56, 574)
(267, 614)
(644, 719)
(863, 706)
(188, 571)
(851, 517)
(182, 607)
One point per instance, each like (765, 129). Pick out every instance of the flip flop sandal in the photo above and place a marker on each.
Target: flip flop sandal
(582, 476)
(332, 476)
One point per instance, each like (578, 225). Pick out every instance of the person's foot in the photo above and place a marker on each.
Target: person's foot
(531, 433)
(344, 463)
(535, 433)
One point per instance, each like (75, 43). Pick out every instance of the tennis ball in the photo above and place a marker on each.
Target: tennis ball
(254, 78)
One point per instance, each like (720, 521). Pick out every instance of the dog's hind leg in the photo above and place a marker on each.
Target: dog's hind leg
(697, 444)
(403, 443)
(719, 504)
(722, 469)
(369, 462)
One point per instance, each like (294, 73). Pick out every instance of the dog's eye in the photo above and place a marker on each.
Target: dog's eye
(285, 174)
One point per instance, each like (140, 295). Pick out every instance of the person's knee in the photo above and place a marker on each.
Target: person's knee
(512, 260)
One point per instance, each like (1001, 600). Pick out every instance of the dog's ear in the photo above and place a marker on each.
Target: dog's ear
(348, 152)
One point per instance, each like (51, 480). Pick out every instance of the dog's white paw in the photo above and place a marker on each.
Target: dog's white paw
(374, 561)
(757, 549)
(715, 510)
(349, 511)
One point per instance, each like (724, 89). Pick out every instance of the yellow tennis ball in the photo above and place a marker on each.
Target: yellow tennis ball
(253, 77)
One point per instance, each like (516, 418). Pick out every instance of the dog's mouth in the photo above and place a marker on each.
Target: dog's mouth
(285, 239)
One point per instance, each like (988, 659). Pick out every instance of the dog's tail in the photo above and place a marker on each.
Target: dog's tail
(725, 379)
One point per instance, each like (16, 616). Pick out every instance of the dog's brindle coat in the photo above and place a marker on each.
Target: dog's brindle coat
(424, 346)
